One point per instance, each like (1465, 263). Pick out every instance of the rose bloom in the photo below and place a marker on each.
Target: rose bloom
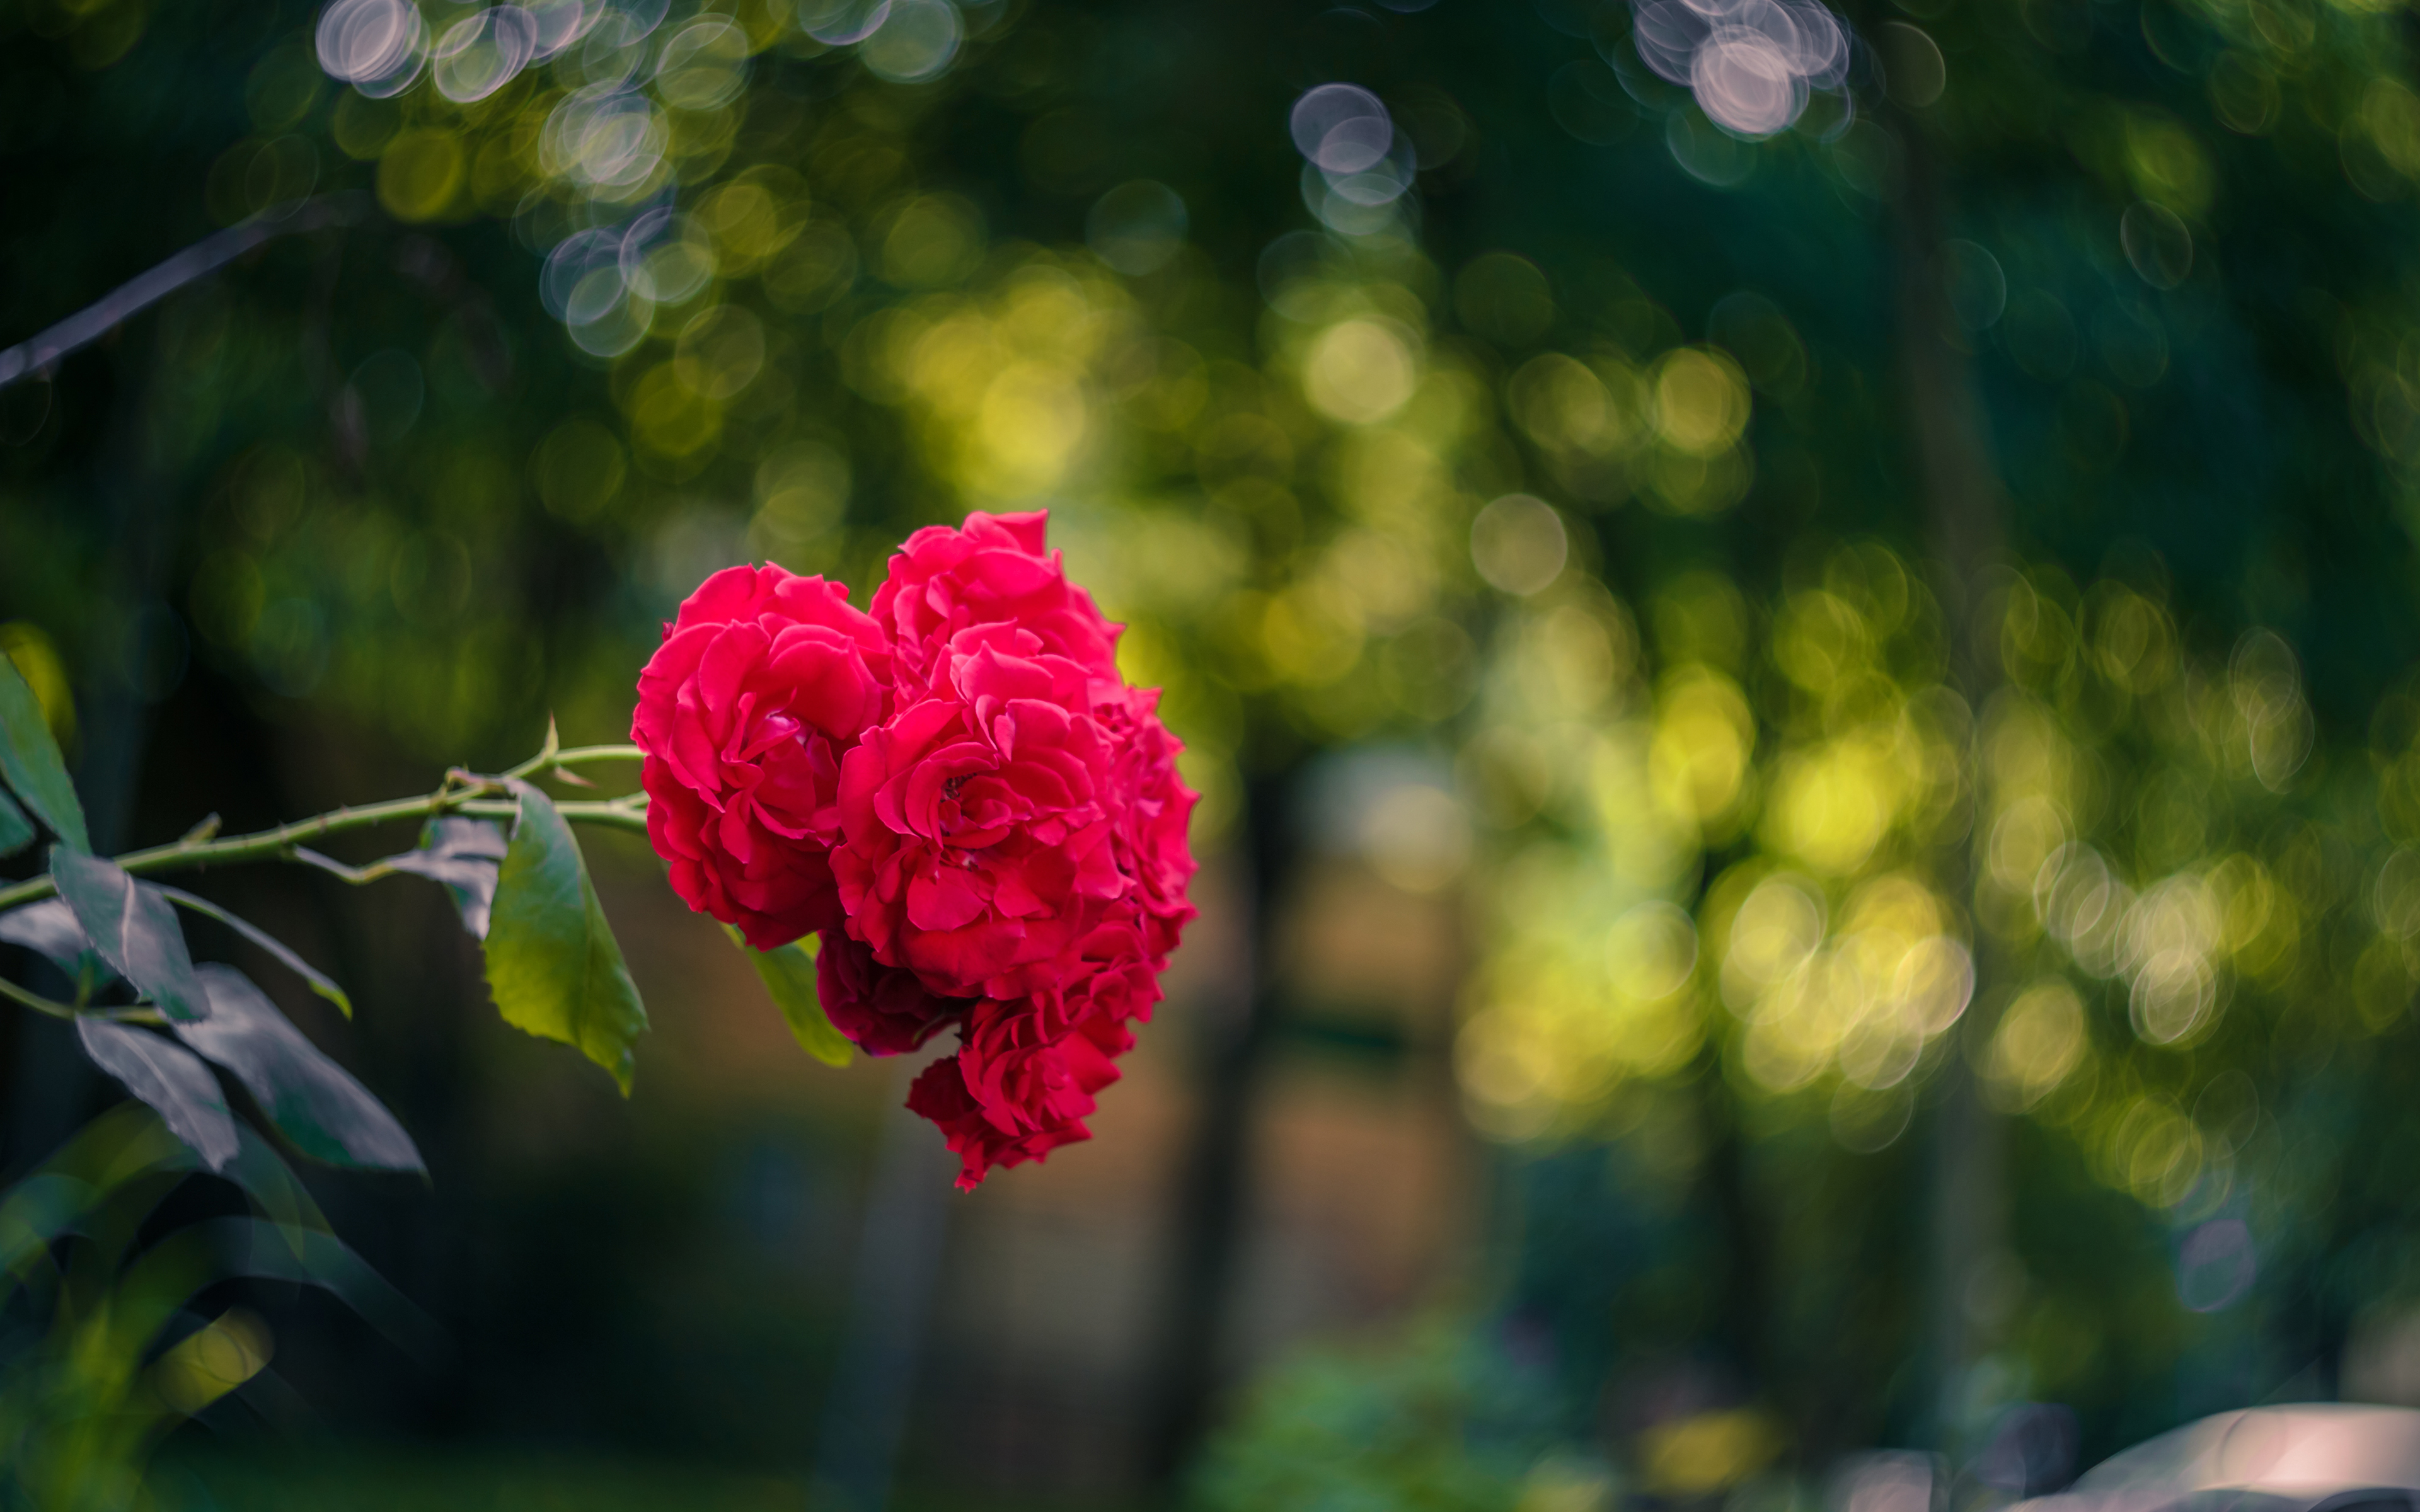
(882, 1010)
(992, 570)
(1154, 809)
(763, 683)
(978, 827)
(1013, 1092)
(1013, 841)
(1026, 1072)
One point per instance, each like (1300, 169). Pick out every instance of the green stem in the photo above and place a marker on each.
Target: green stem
(263, 845)
(462, 793)
(583, 755)
(613, 813)
(357, 875)
(34, 1001)
(551, 757)
(133, 1014)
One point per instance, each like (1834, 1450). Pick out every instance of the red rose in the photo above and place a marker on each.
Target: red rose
(992, 570)
(762, 684)
(1155, 807)
(1012, 1093)
(882, 1010)
(960, 792)
(979, 822)
(1016, 831)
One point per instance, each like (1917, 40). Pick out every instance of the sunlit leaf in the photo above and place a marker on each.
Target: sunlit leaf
(29, 759)
(463, 854)
(15, 830)
(214, 1360)
(788, 972)
(130, 924)
(552, 963)
(314, 1102)
(169, 1077)
(318, 980)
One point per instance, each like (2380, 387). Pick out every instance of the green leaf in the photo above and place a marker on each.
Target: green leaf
(15, 830)
(314, 1102)
(788, 972)
(50, 927)
(169, 1077)
(29, 759)
(464, 855)
(552, 961)
(132, 925)
(318, 980)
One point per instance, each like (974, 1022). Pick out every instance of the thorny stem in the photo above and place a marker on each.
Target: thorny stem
(575, 756)
(462, 793)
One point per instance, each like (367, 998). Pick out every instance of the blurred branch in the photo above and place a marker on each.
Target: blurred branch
(38, 356)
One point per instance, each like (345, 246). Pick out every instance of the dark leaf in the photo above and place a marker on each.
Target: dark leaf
(272, 1185)
(169, 1274)
(552, 961)
(29, 759)
(318, 980)
(788, 972)
(121, 1149)
(313, 1256)
(40, 1209)
(169, 1077)
(462, 854)
(314, 1102)
(50, 929)
(15, 830)
(130, 924)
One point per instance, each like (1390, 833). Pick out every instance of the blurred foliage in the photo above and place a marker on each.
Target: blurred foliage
(105, 1340)
(1585, 465)
(1445, 1421)
(395, 1481)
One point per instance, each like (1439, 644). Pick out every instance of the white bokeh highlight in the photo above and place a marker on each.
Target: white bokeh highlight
(1751, 64)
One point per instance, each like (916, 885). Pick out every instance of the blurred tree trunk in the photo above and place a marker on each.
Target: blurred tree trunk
(1745, 1322)
(1967, 1201)
(898, 1266)
(1214, 1201)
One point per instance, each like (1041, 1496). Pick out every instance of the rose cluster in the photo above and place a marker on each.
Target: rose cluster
(957, 792)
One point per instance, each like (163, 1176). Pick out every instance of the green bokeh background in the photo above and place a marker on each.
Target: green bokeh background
(1885, 647)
